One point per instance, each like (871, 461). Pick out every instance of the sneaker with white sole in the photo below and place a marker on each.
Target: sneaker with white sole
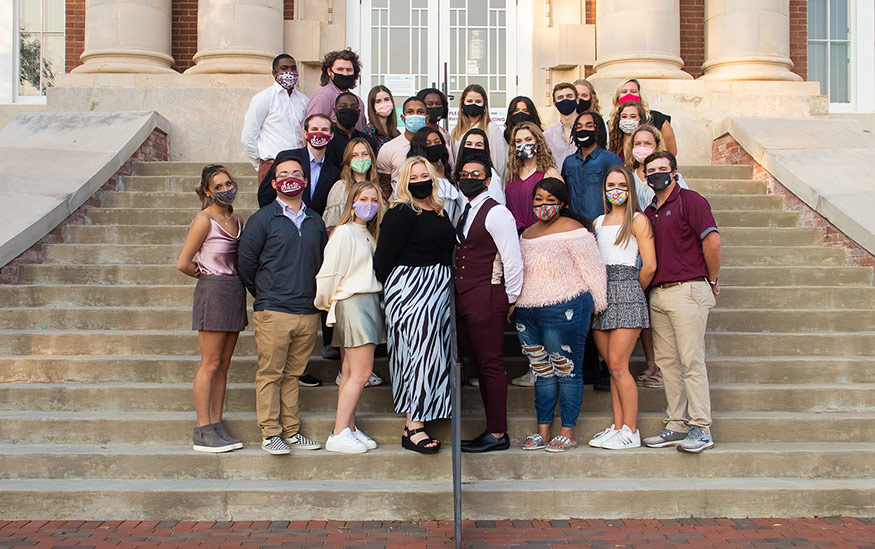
(696, 441)
(275, 446)
(364, 439)
(666, 437)
(300, 442)
(525, 380)
(345, 443)
(601, 437)
(207, 439)
(623, 439)
(373, 381)
(474, 382)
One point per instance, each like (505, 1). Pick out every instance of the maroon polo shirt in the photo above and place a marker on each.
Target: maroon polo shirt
(679, 226)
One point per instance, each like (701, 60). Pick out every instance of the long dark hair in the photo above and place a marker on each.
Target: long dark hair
(417, 148)
(559, 189)
(530, 106)
(386, 128)
(460, 154)
(601, 137)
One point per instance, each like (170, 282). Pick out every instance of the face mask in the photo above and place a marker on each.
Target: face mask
(224, 198)
(467, 151)
(318, 140)
(583, 105)
(472, 187)
(628, 125)
(384, 108)
(526, 150)
(290, 186)
(617, 197)
(566, 106)
(414, 122)
(435, 113)
(360, 165)
(365, 210)
(519, 118)
(473, 110)
(344, 81)
(347, 117)
(630, 97)
(640, 153)
(584, 138)
(420, 189)
(546, 212)
(434, 152)
(659, 181)
(287, 80)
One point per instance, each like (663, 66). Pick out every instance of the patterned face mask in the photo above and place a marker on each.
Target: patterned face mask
(225, 198)
(617, 197)
(526, 150)
(287, 80)
(628, 125)
(546, 212)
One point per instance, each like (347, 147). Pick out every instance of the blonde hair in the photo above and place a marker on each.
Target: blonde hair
(346, 173)
(594, 97)
(633, 164)
(615, 144)
(625, 232)
(402, 192)
(355, 191)
(465, 122)
(615, 110)
(543, 156)
(207, 175)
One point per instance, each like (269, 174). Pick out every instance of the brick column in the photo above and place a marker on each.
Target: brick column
(747, 40)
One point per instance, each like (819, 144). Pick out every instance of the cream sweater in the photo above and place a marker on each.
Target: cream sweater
(561, 266)
(347, 268)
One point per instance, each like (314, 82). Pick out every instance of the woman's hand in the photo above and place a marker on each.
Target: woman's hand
(510, 311)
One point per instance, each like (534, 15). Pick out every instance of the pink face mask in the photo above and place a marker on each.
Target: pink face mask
(384, 108)
(291, 186)
(630, 97)
(640, 153)
(318, 140)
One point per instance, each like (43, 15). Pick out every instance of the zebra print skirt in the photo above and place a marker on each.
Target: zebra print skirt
(419, 340)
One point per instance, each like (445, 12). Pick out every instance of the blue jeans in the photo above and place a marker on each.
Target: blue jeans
(553, 339)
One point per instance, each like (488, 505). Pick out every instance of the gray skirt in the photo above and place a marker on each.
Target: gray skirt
(219, 304)
(627, 306)
(359, 321)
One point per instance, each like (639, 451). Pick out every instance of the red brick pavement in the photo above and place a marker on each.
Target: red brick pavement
(807, 532)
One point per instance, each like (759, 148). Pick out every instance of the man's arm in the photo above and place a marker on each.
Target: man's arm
(259, 107)
(249, 252)
(713, 252)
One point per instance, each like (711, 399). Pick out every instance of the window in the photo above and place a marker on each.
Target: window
(41, 26)
(829, 48)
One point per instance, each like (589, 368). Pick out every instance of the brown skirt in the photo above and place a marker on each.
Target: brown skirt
(219, 304)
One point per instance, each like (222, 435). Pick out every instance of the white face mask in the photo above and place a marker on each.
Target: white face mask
(628, 125)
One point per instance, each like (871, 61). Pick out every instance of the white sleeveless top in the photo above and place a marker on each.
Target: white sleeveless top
(615, 254)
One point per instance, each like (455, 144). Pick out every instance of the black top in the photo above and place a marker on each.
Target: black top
(338, 143)
(416, 240)
(328, 176)
(658, 119)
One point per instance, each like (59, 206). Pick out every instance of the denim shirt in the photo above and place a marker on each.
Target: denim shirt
(584, 179)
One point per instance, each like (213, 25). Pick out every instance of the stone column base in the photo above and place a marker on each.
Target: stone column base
(759, 67)
(124, 60)
(232, 61)
(644, 65)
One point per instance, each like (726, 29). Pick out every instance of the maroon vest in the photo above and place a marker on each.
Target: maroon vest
(476, 256)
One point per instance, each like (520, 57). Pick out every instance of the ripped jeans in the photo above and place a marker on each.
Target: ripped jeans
(553, 338)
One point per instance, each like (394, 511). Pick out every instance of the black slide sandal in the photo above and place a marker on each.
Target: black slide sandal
(421, 446)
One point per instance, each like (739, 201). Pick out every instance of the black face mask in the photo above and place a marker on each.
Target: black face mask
(468, 151)
(566, 106)
(344, 81)
(472, 187)
(659, 181)
(435, 152)
(347, 117)
(473, 110)
(519, 118)
(434, 113)
(584, 138)
(420, 189)
(583, 105)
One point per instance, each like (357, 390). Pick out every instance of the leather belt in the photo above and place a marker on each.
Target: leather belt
(678, 283)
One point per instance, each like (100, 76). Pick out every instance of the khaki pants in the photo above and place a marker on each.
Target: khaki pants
(263, 167)
(678, 316)
(285, 342)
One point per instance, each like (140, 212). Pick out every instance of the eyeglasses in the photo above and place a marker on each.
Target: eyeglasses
(476, 174)
(283, 175)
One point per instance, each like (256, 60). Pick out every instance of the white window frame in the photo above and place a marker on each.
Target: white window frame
(8, 50)
(15, 65)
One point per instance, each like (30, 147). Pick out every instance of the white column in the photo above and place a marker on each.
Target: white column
(638, 39)
(747, 40)
(238, 36)
(127, 36)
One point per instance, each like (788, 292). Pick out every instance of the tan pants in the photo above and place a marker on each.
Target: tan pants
(285, 342)
(678, 316)
(263, 167)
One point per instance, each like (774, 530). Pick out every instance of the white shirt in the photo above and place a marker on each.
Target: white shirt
(501, 226)
(496, 188)
(615, 254)
(296, 217)
(273, 123)
(559, 145)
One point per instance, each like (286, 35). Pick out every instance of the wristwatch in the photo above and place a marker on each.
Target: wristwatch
(713, 282)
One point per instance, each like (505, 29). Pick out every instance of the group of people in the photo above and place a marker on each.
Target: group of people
(387, 228)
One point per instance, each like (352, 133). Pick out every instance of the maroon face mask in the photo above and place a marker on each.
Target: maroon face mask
(291, 186)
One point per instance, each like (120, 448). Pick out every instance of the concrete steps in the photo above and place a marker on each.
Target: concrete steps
(97, 358)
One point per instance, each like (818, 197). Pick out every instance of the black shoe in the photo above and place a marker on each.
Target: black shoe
(330, 353)
(307, 380)
(486, 443)
(603, 383)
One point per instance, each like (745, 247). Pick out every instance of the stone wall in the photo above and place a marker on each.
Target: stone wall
(156, 148)
(726, 150)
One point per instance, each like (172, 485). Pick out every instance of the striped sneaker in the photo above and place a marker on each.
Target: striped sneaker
(666, 437)
(623, 439)
(275, 446)
(300, 442)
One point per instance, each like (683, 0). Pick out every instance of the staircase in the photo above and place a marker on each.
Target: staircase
(96, 411)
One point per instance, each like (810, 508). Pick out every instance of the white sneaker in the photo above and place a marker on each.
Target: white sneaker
(525, 380)
(345, 443)
(624, 439)
(373, 381)
(599, 438)
(338, 378)
(364, 439)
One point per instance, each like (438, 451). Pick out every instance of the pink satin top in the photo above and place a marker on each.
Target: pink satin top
(218, 253)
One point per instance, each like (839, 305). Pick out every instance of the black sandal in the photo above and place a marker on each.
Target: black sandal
(422, 446)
